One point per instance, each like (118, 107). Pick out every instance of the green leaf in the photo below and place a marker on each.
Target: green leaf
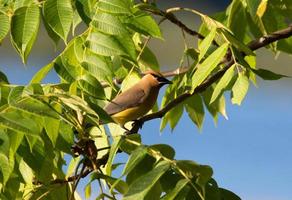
(52, 128)
(174, 115)
(114, 148)
(142, 185)
(178, 187)
(91, 86)
(135, 158)
(127, 146)
(26, 172)
(115, 6)
(85, 9)
(24, 29)
(72, 166)
(87, 191)
(108, 24)
(148, 60)
(3, 79)
(6, 167)
(163, 149)
(4, 26)
(15, 140)
(59, 15)
(240, 88)
(237, 43)
(195, 109)
(228, 195)
(76, 21)
(208, 65)
(15, 94)
(41, 74)
(223, 83)
(144, 23)
(236, 12)
(109, 45)
(14, 122)
(268, 75)
(118, 184)
(51, 33)
(98, 66)
(35, 107)
(202, 173)
(206, 43)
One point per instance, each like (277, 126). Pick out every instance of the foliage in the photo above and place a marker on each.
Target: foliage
(42, 123)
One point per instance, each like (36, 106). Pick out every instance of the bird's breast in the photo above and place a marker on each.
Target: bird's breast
(136, 112)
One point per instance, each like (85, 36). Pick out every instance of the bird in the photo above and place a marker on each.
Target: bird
(138, 100)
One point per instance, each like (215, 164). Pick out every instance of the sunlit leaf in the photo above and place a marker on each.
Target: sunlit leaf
(144, 23)
(108, 45)
(24, 29)
(108, 23)
(26, 171)
(206, 43)
(115, 6)
(223, 83)
(59, 15)
(208, 65)
(240, 88)
(4, 26)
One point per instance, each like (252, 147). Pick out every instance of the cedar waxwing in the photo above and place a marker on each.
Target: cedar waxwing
(137, 100)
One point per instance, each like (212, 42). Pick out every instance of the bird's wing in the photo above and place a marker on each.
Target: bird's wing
(128, 99)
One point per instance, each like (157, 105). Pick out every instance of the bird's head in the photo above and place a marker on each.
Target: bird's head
(156, 78)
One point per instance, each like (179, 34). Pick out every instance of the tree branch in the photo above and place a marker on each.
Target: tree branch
(172, 18)
(253, 45)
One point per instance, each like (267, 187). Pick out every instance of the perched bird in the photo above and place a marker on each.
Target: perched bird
(137, 100)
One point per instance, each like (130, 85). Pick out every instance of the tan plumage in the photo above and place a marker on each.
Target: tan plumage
(137, 100)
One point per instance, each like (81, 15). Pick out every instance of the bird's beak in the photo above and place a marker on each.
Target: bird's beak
(164, 81)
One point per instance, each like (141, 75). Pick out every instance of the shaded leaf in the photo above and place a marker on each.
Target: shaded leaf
(164, 149)
(142, 185)
(135, 158)
(178, 187)
(85, 9)
(268, 75)
(113, 150)
(195, 109)
(148, 60)
(91, 86)
(118, 184)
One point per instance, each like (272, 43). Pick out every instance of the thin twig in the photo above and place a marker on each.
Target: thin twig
(254, 45)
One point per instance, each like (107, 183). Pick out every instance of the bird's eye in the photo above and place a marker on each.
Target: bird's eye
(155, 75)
